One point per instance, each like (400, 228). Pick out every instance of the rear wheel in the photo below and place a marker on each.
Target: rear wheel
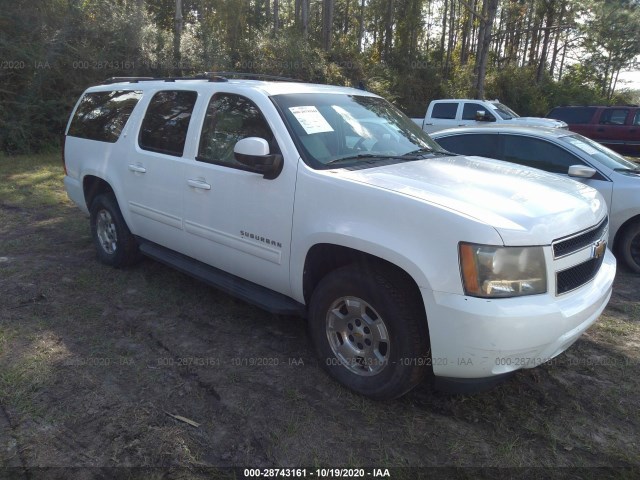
(630, 246)
(115, 245)
(370, 331)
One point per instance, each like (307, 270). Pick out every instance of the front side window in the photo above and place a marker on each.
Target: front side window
(102, 115)
(165, 125)
(446, 111)
(538, 153)
(470, 110)
(231, 118)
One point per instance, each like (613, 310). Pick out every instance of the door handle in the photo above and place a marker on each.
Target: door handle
(600, 129)
(137, 168)
(198, 184)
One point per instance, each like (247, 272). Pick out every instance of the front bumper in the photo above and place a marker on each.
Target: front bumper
(475, 338)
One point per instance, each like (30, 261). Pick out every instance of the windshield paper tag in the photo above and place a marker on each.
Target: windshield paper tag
(311, 119)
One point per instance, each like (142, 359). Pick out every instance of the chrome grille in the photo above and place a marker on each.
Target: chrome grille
(576, 276)
(567, 246)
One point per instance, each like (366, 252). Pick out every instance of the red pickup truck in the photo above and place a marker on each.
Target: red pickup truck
(617, 127)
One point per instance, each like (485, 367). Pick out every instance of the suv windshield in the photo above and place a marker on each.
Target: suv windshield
(604, 155)
(343, 129)
(505, 112)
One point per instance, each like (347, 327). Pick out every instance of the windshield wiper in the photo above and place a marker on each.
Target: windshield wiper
(367, 156)
(429, 151)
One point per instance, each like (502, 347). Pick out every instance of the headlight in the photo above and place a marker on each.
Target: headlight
(489, 271)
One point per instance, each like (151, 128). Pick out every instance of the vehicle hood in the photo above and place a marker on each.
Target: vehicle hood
(526, 206)
(539, 122)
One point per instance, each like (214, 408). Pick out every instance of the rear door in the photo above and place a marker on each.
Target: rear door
(153, 170)
(442, 115)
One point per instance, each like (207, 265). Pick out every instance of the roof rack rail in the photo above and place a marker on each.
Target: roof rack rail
(257, 76)
(210, 76)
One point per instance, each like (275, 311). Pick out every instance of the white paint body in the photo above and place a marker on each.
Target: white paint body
(411, 214)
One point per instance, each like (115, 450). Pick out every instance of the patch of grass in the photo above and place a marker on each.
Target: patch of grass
(32, 181)
(612, 328)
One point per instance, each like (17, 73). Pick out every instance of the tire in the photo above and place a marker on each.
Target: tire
(370, 331)
(115, 245)
(629, 246)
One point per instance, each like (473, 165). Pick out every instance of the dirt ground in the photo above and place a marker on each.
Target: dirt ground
(100, 368)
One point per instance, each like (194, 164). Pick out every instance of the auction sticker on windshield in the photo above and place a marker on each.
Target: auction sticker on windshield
(311, 119)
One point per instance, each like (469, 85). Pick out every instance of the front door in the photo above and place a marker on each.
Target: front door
(234, 219)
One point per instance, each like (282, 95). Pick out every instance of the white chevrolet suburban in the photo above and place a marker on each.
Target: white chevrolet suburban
(328, 203)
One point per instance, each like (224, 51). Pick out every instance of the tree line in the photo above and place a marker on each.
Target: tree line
(532, 54)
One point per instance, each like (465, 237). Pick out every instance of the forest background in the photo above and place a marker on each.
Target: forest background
(532, 55)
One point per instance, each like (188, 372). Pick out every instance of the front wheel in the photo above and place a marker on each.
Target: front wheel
(370, 331)
(630, 246)
(115, 245)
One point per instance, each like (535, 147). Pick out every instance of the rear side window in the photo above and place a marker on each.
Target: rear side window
(165, 125)
(573, 115)
(636, 119)
(471, 144)
(444, 110)
(614, 116)
(102, 115)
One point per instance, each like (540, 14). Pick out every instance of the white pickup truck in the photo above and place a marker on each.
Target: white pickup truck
(450, 113)
(326, 202)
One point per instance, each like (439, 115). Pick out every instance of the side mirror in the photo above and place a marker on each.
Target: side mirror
(482, 116)
(253, 153)
(581, 171)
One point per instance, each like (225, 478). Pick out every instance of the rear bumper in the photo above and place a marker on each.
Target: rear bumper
(474, 338)
(75, 192)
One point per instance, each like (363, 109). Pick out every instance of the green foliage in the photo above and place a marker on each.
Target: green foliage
(53, 49)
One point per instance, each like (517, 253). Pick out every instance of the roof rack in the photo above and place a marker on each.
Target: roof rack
(257, 76)
(210, 76)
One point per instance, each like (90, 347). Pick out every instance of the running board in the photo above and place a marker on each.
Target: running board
(245, 290)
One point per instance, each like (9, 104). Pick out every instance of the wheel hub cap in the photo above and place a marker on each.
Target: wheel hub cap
(358, 336)
(106, 230)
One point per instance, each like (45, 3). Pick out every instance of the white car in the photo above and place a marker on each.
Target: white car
(327, 202)
(570, 155)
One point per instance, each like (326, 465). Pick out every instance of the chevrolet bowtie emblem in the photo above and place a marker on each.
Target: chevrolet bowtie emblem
(598, 249)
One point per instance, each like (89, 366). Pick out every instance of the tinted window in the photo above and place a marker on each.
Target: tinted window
(614, 116)
(471, 144)
(573, 115)
(103, 115)
(231, 118)
(165, 125)
(537, 153)
(636, 119)
(444, 110)
(470, 109)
